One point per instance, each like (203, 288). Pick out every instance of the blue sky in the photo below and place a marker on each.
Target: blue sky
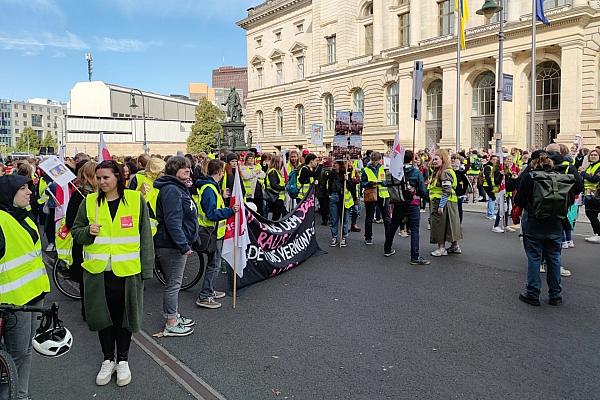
(156, 45)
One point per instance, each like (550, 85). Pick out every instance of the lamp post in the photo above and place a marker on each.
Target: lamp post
(63, 140)
(90, 61)
(134, 105)
(489, 8)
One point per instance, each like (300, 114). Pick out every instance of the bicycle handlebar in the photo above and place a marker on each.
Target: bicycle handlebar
(11, 308)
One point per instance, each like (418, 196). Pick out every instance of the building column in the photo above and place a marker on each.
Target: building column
(570, 90)
(449, 106)
(379, 10)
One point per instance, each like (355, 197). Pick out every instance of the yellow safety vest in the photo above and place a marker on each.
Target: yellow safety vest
(348, 200)
(495, 188)
(281, 183)
(141, 178)
(381, 190)
(64, 243)
(42, 195)
(471, 170)
(203, 219)
(118, 240)
(151, 199)
(303, 189)
(435, 191)
(591, 170)
(22, 272)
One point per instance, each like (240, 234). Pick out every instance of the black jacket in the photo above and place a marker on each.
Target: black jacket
(176, 214)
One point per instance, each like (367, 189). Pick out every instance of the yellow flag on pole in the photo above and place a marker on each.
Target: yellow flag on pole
(463, 17)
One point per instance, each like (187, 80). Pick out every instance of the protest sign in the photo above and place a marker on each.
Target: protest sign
(57, 171)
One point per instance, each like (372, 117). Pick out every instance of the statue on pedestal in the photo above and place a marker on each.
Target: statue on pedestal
(234, 106)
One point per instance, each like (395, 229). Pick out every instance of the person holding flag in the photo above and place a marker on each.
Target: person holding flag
(212, 215)
(413, 188)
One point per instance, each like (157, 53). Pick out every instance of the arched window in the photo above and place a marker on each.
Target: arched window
(279, 121)
(300, 118)
(547, 90)
(434, 101)
(367, 10)
(484, 95)
(392, 104)
(260, 123)
(328, 112)
(358, 101)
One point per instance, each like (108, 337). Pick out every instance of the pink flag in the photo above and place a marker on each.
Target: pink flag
(236, 238)
(103, 153)
(397, 159)
(284, 171)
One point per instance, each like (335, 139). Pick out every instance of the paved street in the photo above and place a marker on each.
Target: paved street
(353, 324)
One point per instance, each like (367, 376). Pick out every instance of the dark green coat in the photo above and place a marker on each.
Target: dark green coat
(96, 310)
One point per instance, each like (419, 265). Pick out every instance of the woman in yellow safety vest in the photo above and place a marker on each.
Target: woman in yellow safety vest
(23, 279)
(340, 187)
(154, 170)
(275, 188)
(445, 219)
(591, 180)
(252, 176)
(113, 227)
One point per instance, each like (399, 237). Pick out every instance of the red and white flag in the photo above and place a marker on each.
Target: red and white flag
(397, 160)
(103, 153)
(284, 171)
(236, 238)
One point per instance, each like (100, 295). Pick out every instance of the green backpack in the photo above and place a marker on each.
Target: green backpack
(551, 194)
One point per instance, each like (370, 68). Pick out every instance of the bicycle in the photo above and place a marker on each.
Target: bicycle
(61, 276)
(49, 323)
(194, 269)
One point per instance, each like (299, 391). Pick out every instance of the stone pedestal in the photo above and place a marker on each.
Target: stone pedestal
(233, 133)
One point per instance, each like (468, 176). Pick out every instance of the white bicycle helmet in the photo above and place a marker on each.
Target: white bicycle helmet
(53, 342)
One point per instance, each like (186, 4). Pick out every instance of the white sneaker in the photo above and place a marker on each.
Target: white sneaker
(439, 252)
(497, 229)
(571, 244)
(123, 373)
(542, 268)
(593, 239)
(564, 272)
(565, 245)
(509, 229)
(403, 233)
(106, 370)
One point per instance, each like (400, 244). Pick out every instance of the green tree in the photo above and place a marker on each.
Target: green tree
(206, 128)
(28, 141)
(49, 141)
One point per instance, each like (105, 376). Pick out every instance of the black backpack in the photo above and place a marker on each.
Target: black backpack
(551, 194)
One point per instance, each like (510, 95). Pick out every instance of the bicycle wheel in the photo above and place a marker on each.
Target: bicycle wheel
(194, 269)
(64, 283)
(8, 376)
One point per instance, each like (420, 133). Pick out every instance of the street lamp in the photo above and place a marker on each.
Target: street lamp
(134, 105)
(489, 8)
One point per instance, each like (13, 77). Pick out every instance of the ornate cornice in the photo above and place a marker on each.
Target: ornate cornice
(269, 9)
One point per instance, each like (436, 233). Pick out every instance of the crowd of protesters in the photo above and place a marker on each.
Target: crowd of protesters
(126, 214)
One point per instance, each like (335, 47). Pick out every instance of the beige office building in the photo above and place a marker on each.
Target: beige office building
(308, 59)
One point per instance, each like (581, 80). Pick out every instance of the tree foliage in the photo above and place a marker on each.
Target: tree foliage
(206, 128)
(49, 141)
(28, 141)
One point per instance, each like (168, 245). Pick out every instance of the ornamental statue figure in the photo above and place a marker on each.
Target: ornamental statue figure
(234, 107)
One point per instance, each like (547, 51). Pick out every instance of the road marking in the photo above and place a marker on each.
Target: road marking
(195, 385)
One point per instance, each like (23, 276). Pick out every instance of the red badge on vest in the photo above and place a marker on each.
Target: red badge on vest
(63, 232)
(127, 222)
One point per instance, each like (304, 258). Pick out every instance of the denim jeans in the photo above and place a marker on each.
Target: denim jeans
(490, 207)
(172, 263)
(507, 203)
(381, 205)
(335, 214)
(213, 266)
(567, 234)
(19, 329)
(537, 249)
(413, 214)
(355, 212)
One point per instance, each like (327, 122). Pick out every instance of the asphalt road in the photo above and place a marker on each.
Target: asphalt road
(353, 324)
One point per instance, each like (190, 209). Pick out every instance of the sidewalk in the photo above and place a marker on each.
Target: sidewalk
(481, 207)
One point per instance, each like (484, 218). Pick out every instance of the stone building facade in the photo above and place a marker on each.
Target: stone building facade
(308, 59)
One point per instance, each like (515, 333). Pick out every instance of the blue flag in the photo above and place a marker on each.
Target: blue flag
(540, 12)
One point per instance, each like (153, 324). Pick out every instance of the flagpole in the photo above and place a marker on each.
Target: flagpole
(235, 245)
(458, 34)
(531, 136)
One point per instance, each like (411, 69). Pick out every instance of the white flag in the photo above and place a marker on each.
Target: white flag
(236, 235)
(397, 159)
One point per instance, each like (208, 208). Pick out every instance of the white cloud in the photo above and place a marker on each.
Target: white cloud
(41, 7)
(201, 9)
(30, 44)
(125, 45)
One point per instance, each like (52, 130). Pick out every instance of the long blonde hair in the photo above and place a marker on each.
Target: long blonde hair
(275, 162)
(86, 176)
(437, 173)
